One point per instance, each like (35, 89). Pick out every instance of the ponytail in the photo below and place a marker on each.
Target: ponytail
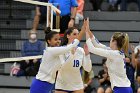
(126, 43)
(49, 34)
(122, 40)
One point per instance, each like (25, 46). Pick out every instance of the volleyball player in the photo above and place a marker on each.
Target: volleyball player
(70, 73)
(51, 61)
(115, 58)
(45, 78)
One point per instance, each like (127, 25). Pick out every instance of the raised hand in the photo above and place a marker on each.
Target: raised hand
(82, 31)
(87, 36)
(87, 24)
(88, 28)
(84, 25)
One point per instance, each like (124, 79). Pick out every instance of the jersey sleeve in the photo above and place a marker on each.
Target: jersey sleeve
(100, 51)
(96, 43)
(55, 51)
(67, 60)
(87, 65)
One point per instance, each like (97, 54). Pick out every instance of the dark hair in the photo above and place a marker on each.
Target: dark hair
(49, 34)
(67, 32)
(122, 40)
(104, 61)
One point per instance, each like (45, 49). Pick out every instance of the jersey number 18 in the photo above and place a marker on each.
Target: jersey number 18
(76, 63)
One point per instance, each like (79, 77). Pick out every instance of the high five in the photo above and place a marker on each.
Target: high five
(115, 55)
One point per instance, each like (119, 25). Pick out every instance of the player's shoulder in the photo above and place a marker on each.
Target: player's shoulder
(116, 53)
(47, 49)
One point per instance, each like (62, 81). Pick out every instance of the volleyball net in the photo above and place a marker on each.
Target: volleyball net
(50, 11)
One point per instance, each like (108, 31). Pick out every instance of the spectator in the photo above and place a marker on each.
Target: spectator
(67, 18)
(40, 15)
(79, 14)
(123, 4)
(137, 60)
(87, 79)
(113, 6)
(96, 4)
(32, 47)
(104, 79)
(112, 2)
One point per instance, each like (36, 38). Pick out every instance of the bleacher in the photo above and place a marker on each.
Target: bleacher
(16, 20)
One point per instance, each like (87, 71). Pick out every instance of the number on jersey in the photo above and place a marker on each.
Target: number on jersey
(76, 63)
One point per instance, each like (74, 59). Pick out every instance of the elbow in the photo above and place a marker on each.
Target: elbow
(88, 69)
(90, 50)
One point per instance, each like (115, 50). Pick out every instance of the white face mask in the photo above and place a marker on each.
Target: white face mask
(33, 36)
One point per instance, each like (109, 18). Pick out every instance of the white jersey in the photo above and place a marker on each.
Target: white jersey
(115, 63)
(51, 62)
(69, 76)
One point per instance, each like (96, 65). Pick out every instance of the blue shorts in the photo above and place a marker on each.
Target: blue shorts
(122, 90)
(39, 86)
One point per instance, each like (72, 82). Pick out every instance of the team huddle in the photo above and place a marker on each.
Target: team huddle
(62, 61)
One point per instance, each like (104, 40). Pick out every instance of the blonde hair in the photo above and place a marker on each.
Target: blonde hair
(122, 40)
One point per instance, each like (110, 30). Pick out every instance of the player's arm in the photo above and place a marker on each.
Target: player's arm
(100, 51)
(87, 64)
(64, 49)
(94, 40)
(67, 60)
(82, 32)
(96, 43)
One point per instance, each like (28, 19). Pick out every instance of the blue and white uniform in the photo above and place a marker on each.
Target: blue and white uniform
(69, 76)
(51, 62)
(115, 63)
